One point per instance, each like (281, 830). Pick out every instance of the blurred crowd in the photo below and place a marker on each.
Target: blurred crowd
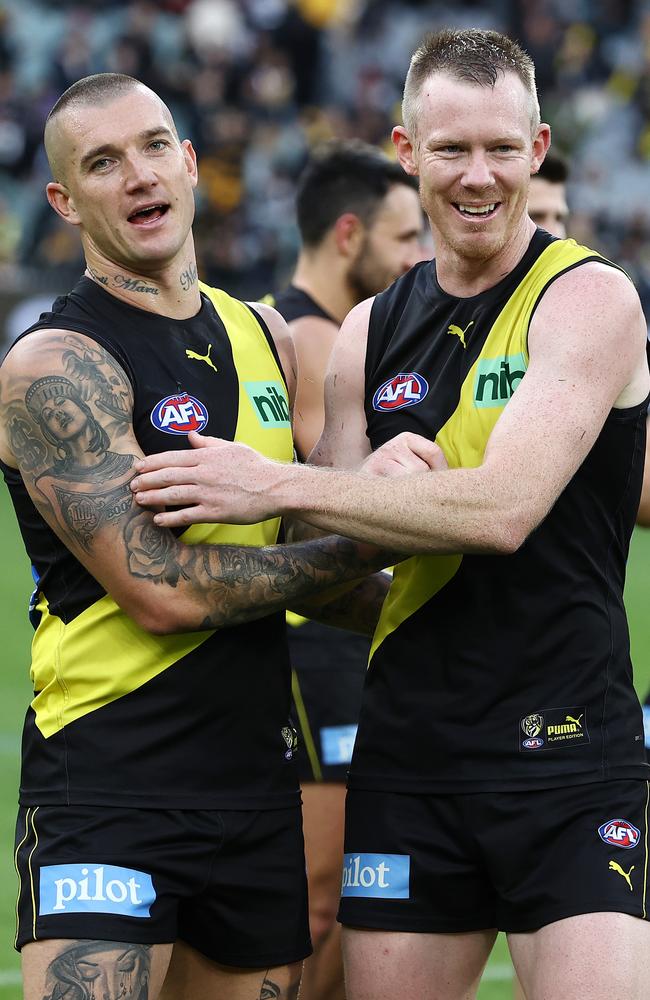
(256, 83)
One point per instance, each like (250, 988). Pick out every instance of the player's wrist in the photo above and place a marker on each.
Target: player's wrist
(292, 489)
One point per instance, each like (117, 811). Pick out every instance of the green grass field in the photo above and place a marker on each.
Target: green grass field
(15, 587)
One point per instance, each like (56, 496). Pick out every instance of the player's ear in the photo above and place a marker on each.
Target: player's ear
(405, 150)
(191, 165)
(541, 142)
(62, 202)
(348, 234)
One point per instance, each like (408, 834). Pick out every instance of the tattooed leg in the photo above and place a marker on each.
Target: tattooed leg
(192, 975)
(93, 970)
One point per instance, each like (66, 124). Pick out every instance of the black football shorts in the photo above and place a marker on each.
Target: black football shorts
(511, 860)
(229, 883)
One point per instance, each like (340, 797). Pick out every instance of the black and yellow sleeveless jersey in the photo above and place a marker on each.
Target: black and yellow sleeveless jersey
(119, 716)
(494, 672)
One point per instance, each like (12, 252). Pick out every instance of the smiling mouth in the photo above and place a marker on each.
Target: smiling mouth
(475, 212)
(147, 215)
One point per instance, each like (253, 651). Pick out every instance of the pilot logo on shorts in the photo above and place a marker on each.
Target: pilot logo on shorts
(179, 414)
(405, 389)
(553, 729)
(95, 888)
(377, 876)
(619, 833)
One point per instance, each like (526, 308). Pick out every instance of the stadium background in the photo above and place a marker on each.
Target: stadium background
(255, 84)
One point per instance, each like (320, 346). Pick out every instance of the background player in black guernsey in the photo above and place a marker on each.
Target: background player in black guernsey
(499, 776)
(360, 225)
(159, 798)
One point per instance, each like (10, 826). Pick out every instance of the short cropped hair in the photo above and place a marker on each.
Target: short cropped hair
(554, 168)
(344, 176)
(473, 55)
(96, 89)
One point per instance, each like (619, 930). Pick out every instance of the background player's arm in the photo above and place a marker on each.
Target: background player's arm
(75, 449)
(587, 345)
(313, 338)
(344, 443)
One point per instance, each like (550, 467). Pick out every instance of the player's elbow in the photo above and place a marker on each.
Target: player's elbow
(168, 615)
(507, 532)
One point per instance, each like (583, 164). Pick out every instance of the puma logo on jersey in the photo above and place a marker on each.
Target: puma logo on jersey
(202, 357)
(457, 332)
(615, 867)
(569, 718)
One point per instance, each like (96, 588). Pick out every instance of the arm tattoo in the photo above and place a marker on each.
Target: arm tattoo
(152, 552)
(99, 970)
(84, 513)
(100, 380)
(357, 609)
(63, 430)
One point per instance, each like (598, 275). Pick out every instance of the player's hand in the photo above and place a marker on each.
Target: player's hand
(217, 481)
(405, 454)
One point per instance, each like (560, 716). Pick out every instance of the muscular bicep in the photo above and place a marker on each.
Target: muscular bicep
(67, 427)
(586, 357)
(344, 443)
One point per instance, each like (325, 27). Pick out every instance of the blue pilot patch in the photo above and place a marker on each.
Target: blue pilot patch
(376, 876)
(337, 743)
(95, 888)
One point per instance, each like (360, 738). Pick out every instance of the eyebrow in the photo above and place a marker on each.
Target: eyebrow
(108, 147)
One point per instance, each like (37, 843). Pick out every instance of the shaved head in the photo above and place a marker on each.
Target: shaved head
(91, 91)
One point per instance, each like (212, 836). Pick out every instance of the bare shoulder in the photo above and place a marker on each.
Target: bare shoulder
(283, 342)
(590, 325)
(309, 328)
(593, 294)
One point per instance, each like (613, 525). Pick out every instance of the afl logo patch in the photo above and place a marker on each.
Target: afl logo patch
(619, 833)
(405, 389)
(179, 414)
(534, 743)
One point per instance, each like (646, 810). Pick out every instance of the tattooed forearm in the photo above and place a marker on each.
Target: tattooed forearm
(153, 553)
(249, 583)
(189, 277)
(357, 609)
(99, 970)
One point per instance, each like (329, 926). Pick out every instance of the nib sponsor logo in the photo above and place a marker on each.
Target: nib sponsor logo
(95, 889)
